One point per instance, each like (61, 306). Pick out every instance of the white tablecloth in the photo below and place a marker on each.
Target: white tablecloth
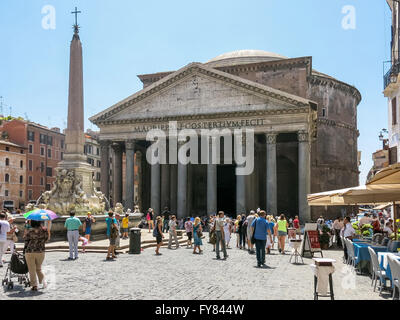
(322, 274)
(382, 256)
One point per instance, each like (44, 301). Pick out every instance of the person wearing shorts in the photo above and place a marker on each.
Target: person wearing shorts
(88, 226)
(282, 232)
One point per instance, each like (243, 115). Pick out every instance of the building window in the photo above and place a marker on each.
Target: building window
(30, 180)
(7, 148)
(49, 172)
(30, 148)
(30, 164)
(323, 112)
(22, 151)
(21, 164)
(48, 187)
(97, 151)
(42, 167)
(41, 151)
(29, 194)
(41, 181)
(98, 164)
(7, 178)
(98, 177)
(7, 162)
(49, 140)
(43, 138)
(21, 179)
(62, 155)
(6, 193)
(31, 136)
(21, 193)
(62, 144)
(394, 111)
(49, 153)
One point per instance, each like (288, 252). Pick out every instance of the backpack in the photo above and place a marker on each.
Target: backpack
(155, 231)
(113, 231)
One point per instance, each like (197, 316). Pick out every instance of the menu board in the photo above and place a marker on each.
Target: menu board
(313, 238)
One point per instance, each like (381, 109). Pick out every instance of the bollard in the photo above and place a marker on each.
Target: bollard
(134, 241)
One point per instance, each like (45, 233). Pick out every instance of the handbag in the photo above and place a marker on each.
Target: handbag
(253, 239)
(199, 233)
(213, 237)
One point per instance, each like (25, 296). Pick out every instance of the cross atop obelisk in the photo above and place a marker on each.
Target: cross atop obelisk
(76, 26)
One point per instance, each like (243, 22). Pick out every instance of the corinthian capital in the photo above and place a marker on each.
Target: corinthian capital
(271, 137)
(130, 144)
(302, 136)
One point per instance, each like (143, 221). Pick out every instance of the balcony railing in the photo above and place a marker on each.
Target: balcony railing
(394, 70)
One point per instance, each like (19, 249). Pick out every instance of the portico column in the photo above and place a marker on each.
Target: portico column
(105, 168)
(117, 174)
(182, 187)
(173, 188)
(304, 176)
(272, 207)
(155, 188)
(211, 182)
(130, 175)
(240, 184)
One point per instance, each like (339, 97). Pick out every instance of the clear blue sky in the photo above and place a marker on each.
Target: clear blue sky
(124, 38)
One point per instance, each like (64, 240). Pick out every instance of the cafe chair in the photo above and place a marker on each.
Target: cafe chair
(350, 253)
(395, 270)
(377, 272)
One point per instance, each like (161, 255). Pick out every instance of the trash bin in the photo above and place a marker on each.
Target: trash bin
(134, 241)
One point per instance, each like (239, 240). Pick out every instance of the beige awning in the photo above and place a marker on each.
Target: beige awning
(383, 206)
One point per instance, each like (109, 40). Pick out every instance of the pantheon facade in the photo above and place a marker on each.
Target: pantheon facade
(305, 136)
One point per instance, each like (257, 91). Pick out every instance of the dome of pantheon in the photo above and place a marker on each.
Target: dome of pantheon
(243, 57)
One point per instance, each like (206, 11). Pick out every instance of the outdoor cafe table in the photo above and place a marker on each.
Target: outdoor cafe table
(384, 263)
(363, 257)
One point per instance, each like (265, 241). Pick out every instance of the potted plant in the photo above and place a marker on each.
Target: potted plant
(325, 237)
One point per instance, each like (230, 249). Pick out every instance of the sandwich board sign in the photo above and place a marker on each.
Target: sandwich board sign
(310, 244)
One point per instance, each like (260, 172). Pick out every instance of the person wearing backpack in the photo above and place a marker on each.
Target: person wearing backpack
(112, 233)
(158, 234)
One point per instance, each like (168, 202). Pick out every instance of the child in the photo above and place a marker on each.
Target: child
(125, 226)
(84, 243)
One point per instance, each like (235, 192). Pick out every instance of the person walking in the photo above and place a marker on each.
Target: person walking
(275, 236)
(150, 219)
(337, 226)
(166, 213)
(237, 230)
(270, 240)
(112, 233)
(282, 233)
(4, 229)
(197, 231)
(87, 225)
(212, 234)
(249, 220)
(72, 224)
(35, 239)
(158, 233)
(219, 229)
(172, 233)
(261, 231)
(189, 232)
(11, 236)
(242, 232)
(227, 232)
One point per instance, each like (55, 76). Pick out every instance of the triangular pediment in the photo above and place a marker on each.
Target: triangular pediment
(199, 90)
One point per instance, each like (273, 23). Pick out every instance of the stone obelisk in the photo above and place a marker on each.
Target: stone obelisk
(73, 189)
(74, 157)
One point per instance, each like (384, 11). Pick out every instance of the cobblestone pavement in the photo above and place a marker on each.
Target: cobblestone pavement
(181, 275)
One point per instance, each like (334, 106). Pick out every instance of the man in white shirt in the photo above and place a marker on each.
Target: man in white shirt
(4, 229)
(347, 232)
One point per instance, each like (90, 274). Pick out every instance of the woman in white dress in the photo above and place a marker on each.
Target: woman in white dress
(227, 231)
